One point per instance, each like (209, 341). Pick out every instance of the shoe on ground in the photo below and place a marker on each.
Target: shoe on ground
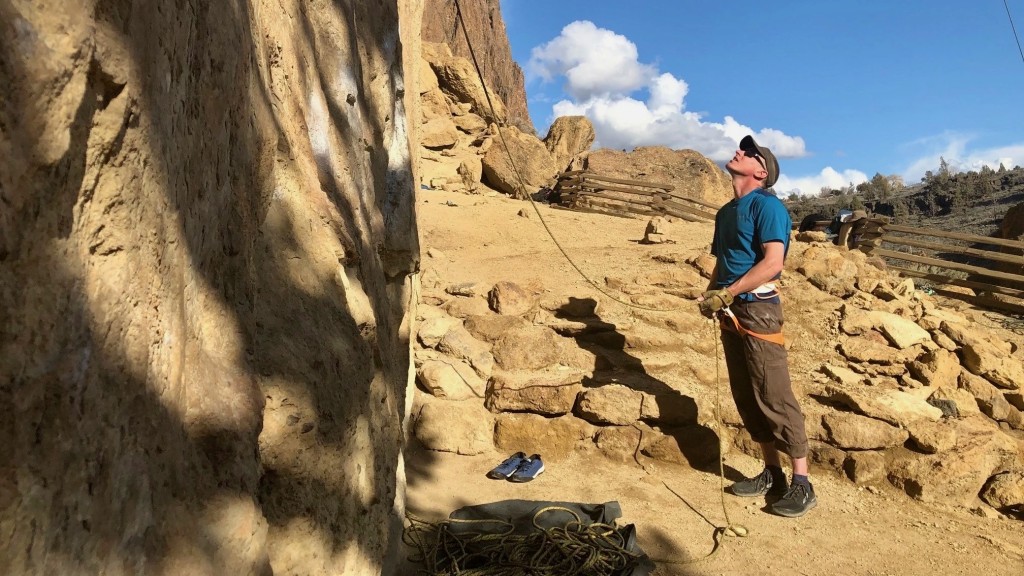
(508, 467)
(528, 469)
(797, 501)
(761, 485)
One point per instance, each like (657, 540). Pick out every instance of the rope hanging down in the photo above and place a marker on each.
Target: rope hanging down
(522, 182)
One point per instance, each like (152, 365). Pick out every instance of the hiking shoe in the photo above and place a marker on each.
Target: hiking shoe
(508, 467)
(797, 501)
(760, 485)
(528, 469)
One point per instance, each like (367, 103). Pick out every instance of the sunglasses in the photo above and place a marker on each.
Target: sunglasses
(755, 155)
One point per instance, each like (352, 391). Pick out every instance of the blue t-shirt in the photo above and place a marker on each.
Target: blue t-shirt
(741, 227)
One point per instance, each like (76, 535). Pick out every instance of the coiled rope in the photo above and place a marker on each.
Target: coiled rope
(572, 549)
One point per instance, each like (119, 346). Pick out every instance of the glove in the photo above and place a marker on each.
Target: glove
(714, 300)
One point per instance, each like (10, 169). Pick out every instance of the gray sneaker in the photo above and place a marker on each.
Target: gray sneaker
(797, 501)
(761, 485)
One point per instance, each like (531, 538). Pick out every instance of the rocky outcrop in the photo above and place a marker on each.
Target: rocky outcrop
(205, 235)
(568, 138)
(486, 29)
(689, 172)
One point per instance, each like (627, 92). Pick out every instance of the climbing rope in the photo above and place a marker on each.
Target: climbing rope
(573, 548)
(522, 183)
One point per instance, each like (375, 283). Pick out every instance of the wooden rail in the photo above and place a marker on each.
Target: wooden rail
(581, 188)
(875, 232)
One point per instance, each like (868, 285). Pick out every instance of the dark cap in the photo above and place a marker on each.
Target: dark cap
(770, 163)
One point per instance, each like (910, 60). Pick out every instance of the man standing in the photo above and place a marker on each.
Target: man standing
(750, 244)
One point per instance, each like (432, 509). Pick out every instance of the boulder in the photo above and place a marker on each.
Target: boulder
(431, 330)
(459, 343)
(994, 362)
(464, 427)
(892, 406)
(932, 437)
(439, 133)
(689, 172)
(936, 368)
(843, 375)
(829, 270)
(618, 442)
(865, 467)
(657, 231)
(867, 349)
(470, 123)
(553, 438)
(901, 332)
(533, 164)
(568, 137)
(450, 379)
(1005, 490)
(855, 432)
(824, 455)
(990, 401)
(470, 171)
(491, 327)
(528, 348)
(694, 445)
(956, 476)
(551, 393)
(510, 299)
(609, 404)
(962, 401)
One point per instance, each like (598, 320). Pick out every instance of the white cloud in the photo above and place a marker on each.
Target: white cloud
(811, 185)
(594, 61)
(602, 72)
(955, 149)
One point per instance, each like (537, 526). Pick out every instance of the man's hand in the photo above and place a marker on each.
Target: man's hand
(714, 300)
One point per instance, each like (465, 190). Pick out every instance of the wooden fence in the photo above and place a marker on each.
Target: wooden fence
(926, 253)
(586, 191)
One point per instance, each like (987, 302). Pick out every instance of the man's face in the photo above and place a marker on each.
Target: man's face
(748, 163)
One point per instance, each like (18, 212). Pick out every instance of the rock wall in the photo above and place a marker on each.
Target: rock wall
(490, 44)
(206, 233)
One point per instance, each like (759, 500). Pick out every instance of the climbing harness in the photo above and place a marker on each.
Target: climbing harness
(728, 321)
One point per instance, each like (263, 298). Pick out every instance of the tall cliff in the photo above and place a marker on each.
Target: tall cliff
(207, 232)
(486, 30)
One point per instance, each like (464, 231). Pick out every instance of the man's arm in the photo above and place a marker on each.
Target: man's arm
(766, 269)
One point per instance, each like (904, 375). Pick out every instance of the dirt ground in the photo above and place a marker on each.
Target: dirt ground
(876, 531)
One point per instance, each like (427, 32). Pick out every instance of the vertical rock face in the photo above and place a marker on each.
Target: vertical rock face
(206, 229)
(490, 44)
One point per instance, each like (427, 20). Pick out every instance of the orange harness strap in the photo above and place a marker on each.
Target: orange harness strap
(775, 338)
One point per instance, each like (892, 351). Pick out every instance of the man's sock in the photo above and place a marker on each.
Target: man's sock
(801, 479)
(777, 473)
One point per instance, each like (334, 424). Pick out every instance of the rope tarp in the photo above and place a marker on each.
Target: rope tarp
(528, 538)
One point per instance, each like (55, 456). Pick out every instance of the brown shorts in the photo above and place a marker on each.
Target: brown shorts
(759, 378)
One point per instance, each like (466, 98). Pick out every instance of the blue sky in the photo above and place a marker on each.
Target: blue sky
(839, 90)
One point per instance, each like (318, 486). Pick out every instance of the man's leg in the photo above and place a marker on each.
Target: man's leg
(772, 479)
